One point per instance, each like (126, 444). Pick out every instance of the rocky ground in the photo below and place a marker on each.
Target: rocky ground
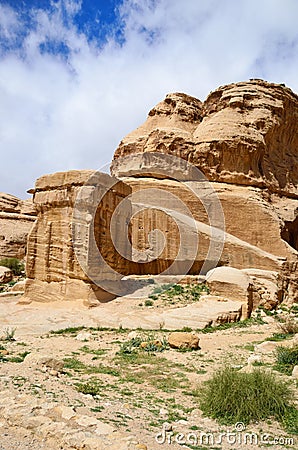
(68, 387)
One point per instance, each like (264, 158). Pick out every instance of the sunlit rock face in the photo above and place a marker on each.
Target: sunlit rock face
(71, 233)
(16, 219)
(220, 174)
(244, 139)
(244, 133)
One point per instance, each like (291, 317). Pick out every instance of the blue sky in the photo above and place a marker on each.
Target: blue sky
(77, 75)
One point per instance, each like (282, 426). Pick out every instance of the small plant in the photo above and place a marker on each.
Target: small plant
(231, 396)
(130, 347)
(294, 309)
(74, 364)
(289, 326)
(286, 359)
(3, 353)
(14, 264)
(9, 334)
(268, 312)
(276, 337)
(18, 358)
(148, 302)
(92, 387)
(70, 330)
(147, 343)
(97, 352)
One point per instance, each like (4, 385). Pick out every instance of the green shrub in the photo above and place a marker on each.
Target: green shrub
(231, 396)
(278, 337)
(289, 326)
(286, 359)
(14, 264)
(92, 387)
(176, 292)
(146, 343)
(148, 302)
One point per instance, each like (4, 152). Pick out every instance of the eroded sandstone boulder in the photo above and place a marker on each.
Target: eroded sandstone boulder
(233, 284)
(184, 340)
(5, 275)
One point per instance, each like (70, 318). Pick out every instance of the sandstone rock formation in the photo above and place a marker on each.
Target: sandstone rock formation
(5, 275)
(69, 214)
(184, 340)
(244, 133)
(205, 185)
(16, 219)
(244, 139)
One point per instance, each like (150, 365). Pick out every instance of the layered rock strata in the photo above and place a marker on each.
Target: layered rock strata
(244, 141)
(205, 185)
(16, 219)
(74, 211)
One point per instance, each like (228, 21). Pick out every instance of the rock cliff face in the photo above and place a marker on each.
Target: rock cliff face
(16, 219)
(244, 133)
(205, 185)
(61, 256)
(244, 139)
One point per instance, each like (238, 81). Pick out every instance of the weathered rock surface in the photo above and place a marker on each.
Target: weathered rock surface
(244, 138)
(55, 426)
(244, 133)
(73, 221)
(242, 214)
(233, 284)
(16, 219)
(184, 340)
(5, 275)
(295, 372)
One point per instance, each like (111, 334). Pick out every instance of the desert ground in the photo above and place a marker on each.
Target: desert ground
(71, 378)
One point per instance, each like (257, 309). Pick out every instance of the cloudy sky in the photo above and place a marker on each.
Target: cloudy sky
(77, 75)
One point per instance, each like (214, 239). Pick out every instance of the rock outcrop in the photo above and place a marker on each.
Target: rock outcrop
(16, 219)
(5, 275)
(244, 133)
(61, 259)
(205, 185)
(244, 139)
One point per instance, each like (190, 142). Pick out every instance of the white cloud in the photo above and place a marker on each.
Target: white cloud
(58, 113)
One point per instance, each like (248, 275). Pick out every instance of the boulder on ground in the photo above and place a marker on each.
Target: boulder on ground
(19, 286)
(184, 340)
(5, 274)
(233, 284)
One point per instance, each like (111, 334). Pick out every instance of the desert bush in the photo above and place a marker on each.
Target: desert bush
(148, 302)
(286, 359)
(14, 264)
(289, 326)
(91, 387)
(146, 343)
(232, 396)
(9, 334)
(171, 292)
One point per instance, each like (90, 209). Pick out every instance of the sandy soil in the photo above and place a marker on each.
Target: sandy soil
(87, 371)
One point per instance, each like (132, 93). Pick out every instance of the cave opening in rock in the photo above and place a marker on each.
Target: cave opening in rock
(289, 233)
